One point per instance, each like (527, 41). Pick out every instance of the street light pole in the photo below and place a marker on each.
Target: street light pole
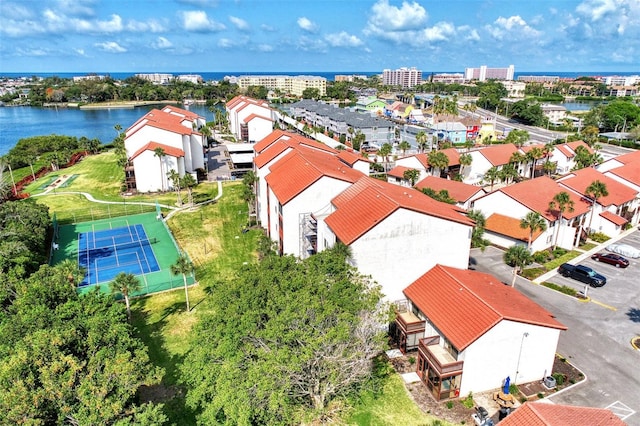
(515, 379)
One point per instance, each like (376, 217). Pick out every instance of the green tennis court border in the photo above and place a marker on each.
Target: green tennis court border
(165, 249)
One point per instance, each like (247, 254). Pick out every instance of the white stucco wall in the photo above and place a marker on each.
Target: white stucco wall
(504, 351)
(148, 173)
(317, 197)
(407, 244)
(262, 173)
(259, 128)
(151, 134)
(475, 171)
(413, 163)
(362, 166)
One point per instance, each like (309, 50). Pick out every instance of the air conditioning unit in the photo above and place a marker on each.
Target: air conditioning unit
(549, 382)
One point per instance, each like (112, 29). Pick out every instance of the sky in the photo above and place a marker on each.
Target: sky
(320, 35)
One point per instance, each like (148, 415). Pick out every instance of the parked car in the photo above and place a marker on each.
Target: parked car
(612, 259)
(625, 250)
(582, 273)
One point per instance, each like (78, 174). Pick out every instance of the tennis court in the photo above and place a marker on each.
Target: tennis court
(138, 244)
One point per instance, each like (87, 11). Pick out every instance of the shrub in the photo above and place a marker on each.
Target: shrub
(412, 360)
(599, 237)
(562, 289)
(559, 378)
(468, 401)
(449, 405)
(532, 273)
(558, 251)
(540, 395)
(513, 390)
(541, 256)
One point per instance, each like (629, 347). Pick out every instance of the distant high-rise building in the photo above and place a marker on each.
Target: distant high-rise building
(403, 77)
(156, 78)
(483, 73)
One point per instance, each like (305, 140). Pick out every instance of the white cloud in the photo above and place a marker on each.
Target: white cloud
(597, 9)
(442, 31)
(111, 47)
(264, 48)
(513, 27)
(150, 26)
(386, 17)
(80, 52)
(14, 11)
(267, 28)
(31, 52)
(161, 43)
(198, 21)
(307, 25)
(343, 39)
(239, 23)
(468, 33)
(77, 7)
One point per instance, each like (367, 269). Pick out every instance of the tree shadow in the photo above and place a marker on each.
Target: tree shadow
(634, 314)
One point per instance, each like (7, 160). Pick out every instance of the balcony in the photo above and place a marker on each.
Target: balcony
(438, 357)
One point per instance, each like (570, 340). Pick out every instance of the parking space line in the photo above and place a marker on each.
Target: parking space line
(621, 410)
(604, 305)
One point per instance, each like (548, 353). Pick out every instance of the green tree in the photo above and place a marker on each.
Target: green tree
(492, 175)
(384, 152)
(533, 221)
(438, 161)
(160, 153)
(442, 195)
(311, 93)
(411, 175)
(595, 191)
(282, 340)
(175, 179)
(560, 203)
(404, 146)
(517, 137)
(184, 267)
(465, 161)
(534, 154)
(480, 220)
(421, 140)
(518, 257)
(125, 284)
(189, 182)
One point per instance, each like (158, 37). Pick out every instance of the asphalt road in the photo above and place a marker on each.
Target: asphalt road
(599, 332)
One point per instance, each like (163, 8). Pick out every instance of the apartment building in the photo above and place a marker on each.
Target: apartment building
(485, 73)
(293, 85)
(403, 77)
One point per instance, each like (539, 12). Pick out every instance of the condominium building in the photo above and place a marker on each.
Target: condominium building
(618, 80)
(156, 78)
(294, 85)
(403, 77)
(484, 73)
(191, 78)
(350, 78)
(539, 78)
(448, 78)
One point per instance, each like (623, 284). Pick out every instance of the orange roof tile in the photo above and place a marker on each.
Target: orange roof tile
(459, 191)
(162, 120)
(369, 201)
(629, 172)
(292, 138)
(351, 158)
(509, 226)
(398, 171)
(453, 155)
(252, 116)
(186, 113)
(423, 159)
(168, 150)
(465, 304)
(630, 157)
(300, 168)
(545, 414)
(536, 194)
(569, 149)
(499, 155)
(612, 217)
(581, 179)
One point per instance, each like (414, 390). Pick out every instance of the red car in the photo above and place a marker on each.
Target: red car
(612, 259)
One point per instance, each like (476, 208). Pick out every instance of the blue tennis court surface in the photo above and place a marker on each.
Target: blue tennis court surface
(106, 253)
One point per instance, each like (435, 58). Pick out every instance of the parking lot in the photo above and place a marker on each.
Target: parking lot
(598, 340)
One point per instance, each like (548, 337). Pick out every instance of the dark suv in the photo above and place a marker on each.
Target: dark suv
(582, 273)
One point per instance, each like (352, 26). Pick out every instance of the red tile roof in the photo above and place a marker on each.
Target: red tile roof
(465, 304)
(549, 414)
(459, 191)
(351, 157)
(369, 201)
(453, 155)
(569, 149)
(398, 171)
(629, 172)
(168, 150)
(162, 120)
(300, 168)
(292, 138)
(252, 116)
(630, 157)
(423, 159)
(581, 179)
(499, 155)
(183, 112)
(612, 217)
(536, 194)
(509, 226)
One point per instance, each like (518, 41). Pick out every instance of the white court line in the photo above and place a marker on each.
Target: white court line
(619, 409)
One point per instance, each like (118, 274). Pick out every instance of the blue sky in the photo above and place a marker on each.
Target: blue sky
(318, 35)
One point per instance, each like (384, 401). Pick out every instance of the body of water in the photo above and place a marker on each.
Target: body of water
(21, 122)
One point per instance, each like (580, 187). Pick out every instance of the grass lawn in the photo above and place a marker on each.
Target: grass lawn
(393, 406)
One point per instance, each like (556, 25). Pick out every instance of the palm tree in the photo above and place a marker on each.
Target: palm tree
(404, 146)
(411, 175)
(175, 181)
(534, 222)
(438, 160)
(549, 167)
(478, 230)
(518, 257)
(206, 133)
(159, 152)
(533, 156)
(189, 182)
(561, 202)
(465, 161)
(491, 175)
(421, 140)
(183, 266)
(125, 284)
(595, 190)
(4, 162)
(384, 152)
